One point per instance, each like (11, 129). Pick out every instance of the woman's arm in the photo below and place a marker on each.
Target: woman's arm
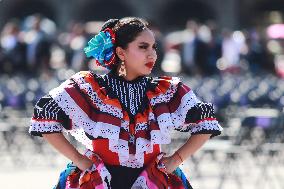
(61, 144)
(194, 143)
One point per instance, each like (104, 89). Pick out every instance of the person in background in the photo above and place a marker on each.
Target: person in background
(38, 47)
(14, 58)
(194, 51)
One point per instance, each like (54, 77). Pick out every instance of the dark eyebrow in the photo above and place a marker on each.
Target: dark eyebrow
(145, 43)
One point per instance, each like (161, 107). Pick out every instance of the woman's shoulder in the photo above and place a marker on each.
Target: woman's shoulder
(84, 77)
(166, 83)
(166, 79)
(165, 87)
(80, 81)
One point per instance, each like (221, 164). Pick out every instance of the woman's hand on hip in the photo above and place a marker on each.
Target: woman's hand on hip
(171, 163)
(83, 163)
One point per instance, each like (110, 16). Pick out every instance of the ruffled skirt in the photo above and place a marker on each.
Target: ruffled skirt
(101, 176)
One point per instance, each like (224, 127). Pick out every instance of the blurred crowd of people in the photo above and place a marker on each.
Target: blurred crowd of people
(35, 45)
(36, 56)
(206, 49)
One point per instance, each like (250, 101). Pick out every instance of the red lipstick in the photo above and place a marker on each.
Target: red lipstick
(150, 64)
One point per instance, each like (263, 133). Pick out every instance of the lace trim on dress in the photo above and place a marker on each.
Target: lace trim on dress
(83, 85)
(206, 125)
(169, 121)
(45, 126)
(80, 120)
(133, 161)
(166, 97)
(82, 123)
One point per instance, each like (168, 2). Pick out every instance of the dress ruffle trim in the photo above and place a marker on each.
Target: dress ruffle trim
(207, 126)
(97, 94)
(163, 91)
(97, 176)
(154, 176)
(40, 126)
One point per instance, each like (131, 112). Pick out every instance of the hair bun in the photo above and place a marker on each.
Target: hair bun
(110, 24)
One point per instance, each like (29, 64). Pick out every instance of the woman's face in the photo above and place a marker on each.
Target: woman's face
(140, 55)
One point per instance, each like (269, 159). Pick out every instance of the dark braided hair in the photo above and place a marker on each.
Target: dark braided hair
(125, 29)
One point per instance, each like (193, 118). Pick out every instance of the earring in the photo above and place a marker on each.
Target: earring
(122, 69)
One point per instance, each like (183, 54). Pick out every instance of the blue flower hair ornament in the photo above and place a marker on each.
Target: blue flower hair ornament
(101, 47)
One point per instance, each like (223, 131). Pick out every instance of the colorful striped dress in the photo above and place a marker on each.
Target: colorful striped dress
(122, 124)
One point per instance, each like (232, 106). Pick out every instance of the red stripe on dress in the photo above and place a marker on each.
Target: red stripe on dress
(160, 88)
(101, 147)
(85, 75)
(152, 156)
(124, 135)
(78, 99)
(105, 118)
(154, 126)
(206, 119)
(87, 98)
(173, 104)
(101, 91)
(161, 109)
(84, 105)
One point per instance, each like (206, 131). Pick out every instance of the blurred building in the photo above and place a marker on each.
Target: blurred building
(169, 14)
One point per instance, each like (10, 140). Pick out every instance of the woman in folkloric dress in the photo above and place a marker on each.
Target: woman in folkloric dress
(124, 116)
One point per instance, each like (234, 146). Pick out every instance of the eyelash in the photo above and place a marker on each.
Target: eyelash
(145, 47)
